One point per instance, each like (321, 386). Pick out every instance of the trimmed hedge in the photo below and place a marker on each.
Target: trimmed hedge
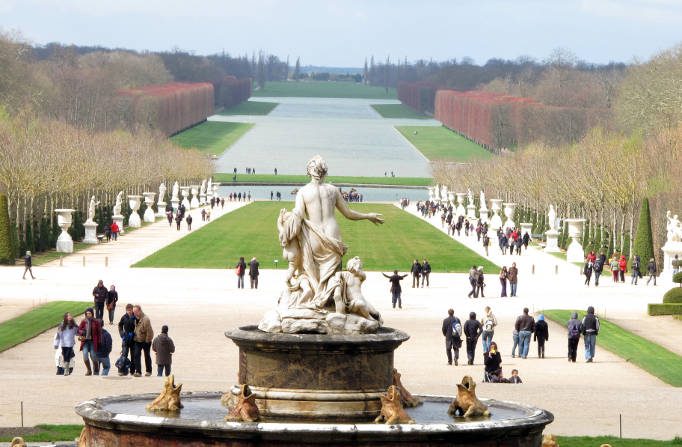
(665, 309)
(644, 240)
(673, 296)
(677, 277)
(7, 251)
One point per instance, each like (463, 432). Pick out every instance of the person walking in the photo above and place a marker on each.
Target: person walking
(651, 270)
(178, 220)
(480, 283)
(253, 272)
(515, 340)
(613, 264)
(473, 280)
(452, 331)
(189, 222)
(472, 330)
(636, 266)
(28, 264)
(541, 335)
(164, 348)
(486, 243)
(240, 270)
(426, 271)
(169, 217)
(103, 351)
(126, 329)
(525, 325)
(416, 271)
(513, 277)
(99, 295)
(573, 327)
(598, 268)
(589, 327)
(90, 334)
(396, 290)
(65, 338)
(503, 281)
(587, 271)
(488, 324)
(144, 334)
(112, 299)
(622, 267)
(114, 231)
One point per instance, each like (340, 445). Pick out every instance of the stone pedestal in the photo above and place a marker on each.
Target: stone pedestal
(575, 252)
(460, 211)
(483, 214)
(134, 219)
(90, 232)
(495, 219)
(314, 376)
(552, 245)
(64, 241)
(670, 249)
(184, 190)
(526, 227)
(175, 203)
(149, 212)
(119, 221)
(161, 209)
(471, 211)
(509, 209)
(194, 203)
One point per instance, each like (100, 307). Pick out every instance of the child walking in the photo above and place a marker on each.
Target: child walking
(164, 348)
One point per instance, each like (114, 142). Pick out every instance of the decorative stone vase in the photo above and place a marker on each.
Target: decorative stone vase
(526, 227)
(149, 212)
(134, 220)
(575, 252)
(460, 211)
(495, 220)
(64, 219)
(184, 190)
(509, 209)
(194, 203)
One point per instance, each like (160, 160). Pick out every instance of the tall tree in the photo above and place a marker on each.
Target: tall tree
(644, 240)
(6, 249)
(297, 69)
(260, 72)
(365, 73)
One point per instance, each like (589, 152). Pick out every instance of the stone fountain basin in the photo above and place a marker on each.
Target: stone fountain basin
(124, 421)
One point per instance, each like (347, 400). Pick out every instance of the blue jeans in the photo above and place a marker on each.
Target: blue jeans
(160, 370)
(590, 345)
(106, 365)
(515, 337)
(524, 343)
(486, 339)
(513, 288)
(89, 351)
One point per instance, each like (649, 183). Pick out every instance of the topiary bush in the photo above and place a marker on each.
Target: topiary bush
(6, 246)
(644, 240)
(673, 296)
(665, 309)
(677, 277)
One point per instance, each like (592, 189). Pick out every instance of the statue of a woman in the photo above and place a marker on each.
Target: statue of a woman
(91, 209)
(117, 205)
(162, 192)
(552, 218)
(176, 190)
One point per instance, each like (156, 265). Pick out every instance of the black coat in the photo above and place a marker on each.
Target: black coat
(253, 268)
(100, 294)
(492, 362)
(472, 329)
(447, 326)
(395, 281)
(541, 330)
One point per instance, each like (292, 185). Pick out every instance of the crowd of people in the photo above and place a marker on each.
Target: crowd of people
(618, 266)
(525, 328)
(95, 342)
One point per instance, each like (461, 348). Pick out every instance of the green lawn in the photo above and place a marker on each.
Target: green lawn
(36, 321)
(651, 357)
(226, 177)
(440, 143)
(250, 108)
(45, 433)
(212, 137)
(44, 257)
(587, 441)
(251, 231)
(324, 89)
(397, 111)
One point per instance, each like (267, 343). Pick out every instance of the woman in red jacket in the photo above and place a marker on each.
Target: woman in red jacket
(90, 334)
(622, 267)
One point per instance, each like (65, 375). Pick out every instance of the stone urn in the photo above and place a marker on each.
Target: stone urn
(184, 190)
(526, 227)
(495, 220)
(149, 212)
(134, 220)
(161, 207)
(64, 219)
(194, 203)
(460, 204)
(575, 252)
(509, 209)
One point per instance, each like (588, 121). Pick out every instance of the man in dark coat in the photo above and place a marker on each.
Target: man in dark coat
(99, 294)
(472, 330)
(396, 290)
(426, 271)
(126, 329)
(541, 335)
(452, 331)
(416, 271)
(253, 272)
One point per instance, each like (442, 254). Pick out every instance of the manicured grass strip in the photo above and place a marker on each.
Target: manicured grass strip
(397, 111)
(36, 321)
(588, 441)
(226, 177)
(41, 258)
(324, 89)
(212, 137)
(440, 143)
(43, 433)
(651, 357)
(252, 231)
(250, 108)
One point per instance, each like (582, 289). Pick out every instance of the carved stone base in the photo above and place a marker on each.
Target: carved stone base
(313, 376)
(90, 233)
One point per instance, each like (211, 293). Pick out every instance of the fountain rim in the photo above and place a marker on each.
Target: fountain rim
(93, 413)
(251, 334)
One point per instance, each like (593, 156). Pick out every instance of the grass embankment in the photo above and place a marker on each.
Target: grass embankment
(651, 357)
(251, 231)
(42, 433)
(211, 137)
(324, 89)
(397, 111)
(440, 143)
(36, 321)
(226, 177)
(250, 108)
(588, 441)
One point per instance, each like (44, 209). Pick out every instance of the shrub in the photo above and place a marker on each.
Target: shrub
(644, 241)
(6, 248)
(665, 309)
(677, 277)
(673, 295)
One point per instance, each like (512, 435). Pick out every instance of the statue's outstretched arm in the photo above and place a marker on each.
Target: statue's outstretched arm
(354, 215)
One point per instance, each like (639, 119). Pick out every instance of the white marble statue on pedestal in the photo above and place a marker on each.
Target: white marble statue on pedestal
(161, 202)
(672, 247)
(202, 193)
(118, 204)
(90, 225)
(176, 191)
(552, 244)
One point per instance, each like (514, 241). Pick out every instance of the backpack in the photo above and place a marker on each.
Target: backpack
(574, 330)
(489, 325)
(456, 328)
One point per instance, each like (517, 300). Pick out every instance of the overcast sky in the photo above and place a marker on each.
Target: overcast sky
(344, 32)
